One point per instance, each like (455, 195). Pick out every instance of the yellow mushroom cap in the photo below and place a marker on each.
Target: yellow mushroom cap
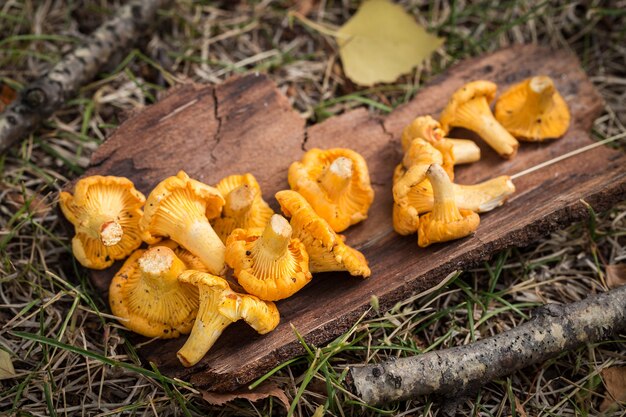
(424, 127)
(336, 183)
(219, 307)
(533, 110)
(405, 217)
(244, 207)
(327, 250)
(105, 212)
(469, 108)
(446, 221)
(180, 208)
(147, 296)
(267, 262)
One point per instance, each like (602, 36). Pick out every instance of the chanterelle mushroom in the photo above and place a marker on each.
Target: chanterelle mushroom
(469, 108)
(267, 262)
(418, 157)
(336, 183)
(327, 251)
(533, 110)
(180, 208)
(446, 221)
(219, 307)
(147, 296)
(454, 151)
(480, 198)
(244, 208)
(105, 212)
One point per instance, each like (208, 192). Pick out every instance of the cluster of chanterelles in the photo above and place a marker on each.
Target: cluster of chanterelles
(426, 200)
(179, 284)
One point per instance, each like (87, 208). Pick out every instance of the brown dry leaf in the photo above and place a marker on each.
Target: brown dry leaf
(266, 389)
(615, 275)
(7, 95)
(6, 365)
(615, 382)
(381, 42)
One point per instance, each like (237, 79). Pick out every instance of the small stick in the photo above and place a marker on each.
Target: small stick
(37, 101)
(568, 155)
(460, 370)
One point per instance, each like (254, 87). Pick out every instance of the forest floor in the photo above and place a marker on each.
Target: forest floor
(91, 369)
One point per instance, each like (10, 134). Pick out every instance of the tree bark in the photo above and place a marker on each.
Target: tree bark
(459, 370)
(44, 96)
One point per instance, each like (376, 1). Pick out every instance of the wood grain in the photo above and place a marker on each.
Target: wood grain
(246, 125)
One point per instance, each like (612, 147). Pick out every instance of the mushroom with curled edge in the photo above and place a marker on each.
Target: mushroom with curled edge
(481, 197)
(180, 208)
(105, 212)
(244, 207)
(147, 297)
(220, 307)
(327, 250)
(454, 151)
(418, 157)
(336, 184)
(268, 262)
(446, 221)
(469, 108)
(533, 110)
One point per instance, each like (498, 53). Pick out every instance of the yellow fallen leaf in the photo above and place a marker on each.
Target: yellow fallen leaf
(381, 42)
(6, 365)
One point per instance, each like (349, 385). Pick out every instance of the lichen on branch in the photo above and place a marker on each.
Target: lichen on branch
(462, 369)
(49, 92)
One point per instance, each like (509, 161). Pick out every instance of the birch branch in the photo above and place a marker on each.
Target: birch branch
(460, 370)
(37, 101)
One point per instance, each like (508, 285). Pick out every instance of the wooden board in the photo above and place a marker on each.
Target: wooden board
(246, 125)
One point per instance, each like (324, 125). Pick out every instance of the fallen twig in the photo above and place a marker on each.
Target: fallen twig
(462, 369)
(44, 96)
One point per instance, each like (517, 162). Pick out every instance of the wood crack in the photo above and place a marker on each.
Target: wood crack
(218, 118)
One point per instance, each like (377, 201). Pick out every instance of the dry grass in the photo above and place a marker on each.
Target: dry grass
(45, 293)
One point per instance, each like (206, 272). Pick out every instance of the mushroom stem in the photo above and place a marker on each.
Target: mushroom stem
(336, 176)
(200, 239)
(273, 242)
(480, 198)
(465, 151)
(161, 267)
(444, 207)
(476, 116)
(540, 91)
(239, 201)
(111, 233)
(208, 327)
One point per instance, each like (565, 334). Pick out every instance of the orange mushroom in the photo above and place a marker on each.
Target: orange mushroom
(446, 221)
(105, 212)
(180, 208)
(336, 184)
(469, 108)
(219, 308)
(244, 207)
(147, 296)
(327, 250)
(267, 262)
(533, 110)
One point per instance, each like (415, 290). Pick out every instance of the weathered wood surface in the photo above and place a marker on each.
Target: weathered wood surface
(246, 125)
